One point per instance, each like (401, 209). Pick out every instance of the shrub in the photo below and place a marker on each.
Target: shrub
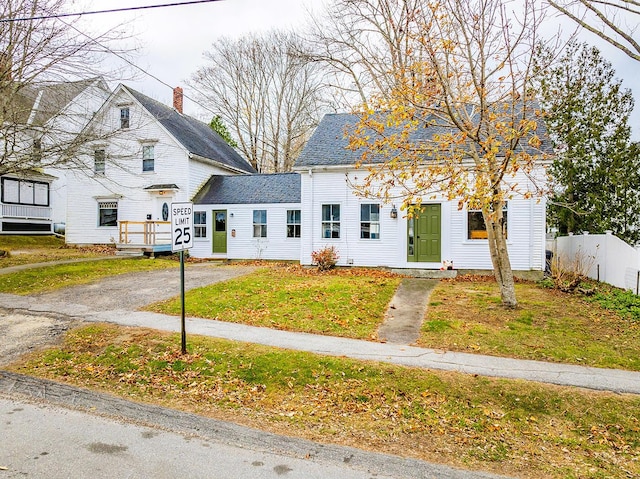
(325, 258)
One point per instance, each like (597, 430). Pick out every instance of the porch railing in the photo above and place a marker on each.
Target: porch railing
(26, 212)
(144, 232)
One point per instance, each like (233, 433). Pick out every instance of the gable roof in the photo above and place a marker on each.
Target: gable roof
(48, 99)
(250, 189)
(197, 137)
(328, 144)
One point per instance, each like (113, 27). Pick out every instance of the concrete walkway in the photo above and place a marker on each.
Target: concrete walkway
(562, 374)
(403, 319)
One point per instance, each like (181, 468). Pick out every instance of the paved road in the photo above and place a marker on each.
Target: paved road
(55, 431)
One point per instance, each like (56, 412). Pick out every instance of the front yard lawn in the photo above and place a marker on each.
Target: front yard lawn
(466, 315)
(39, 249)
(345, 302)
(517, 428)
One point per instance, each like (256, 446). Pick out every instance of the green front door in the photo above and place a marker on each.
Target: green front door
(424, 235)
(219, 231)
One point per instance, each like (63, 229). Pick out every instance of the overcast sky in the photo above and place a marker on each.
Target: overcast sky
(172, 40)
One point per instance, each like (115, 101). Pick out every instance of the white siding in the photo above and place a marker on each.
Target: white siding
(124, 179)
(276, 246)
(526, 228)
(68, 123)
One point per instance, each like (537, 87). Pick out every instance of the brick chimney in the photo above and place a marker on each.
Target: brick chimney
(177, 99)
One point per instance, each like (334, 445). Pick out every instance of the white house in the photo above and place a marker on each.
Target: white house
(248, 217)
(366, 232)
(149, 155)
(47, 121)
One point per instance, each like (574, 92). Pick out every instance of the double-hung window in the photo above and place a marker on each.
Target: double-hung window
(124, 118)
(331, 221)
(476, 228)
(293, 223)
(99, 158)
(148, 158)
(200, 224)
(108, 213)
(370, 221)
(259, 223)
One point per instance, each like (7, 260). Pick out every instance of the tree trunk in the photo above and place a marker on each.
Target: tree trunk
(500, 257)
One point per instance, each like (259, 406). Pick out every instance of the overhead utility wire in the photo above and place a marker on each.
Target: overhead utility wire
(125, 9)
(144, 71)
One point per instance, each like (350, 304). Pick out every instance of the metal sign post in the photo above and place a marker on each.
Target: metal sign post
(181, 240)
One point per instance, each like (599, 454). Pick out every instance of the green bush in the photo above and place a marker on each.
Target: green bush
(625, 303)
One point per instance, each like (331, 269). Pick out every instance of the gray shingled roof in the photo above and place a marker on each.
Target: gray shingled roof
(328, 144)
(250, 189)
(197, 137)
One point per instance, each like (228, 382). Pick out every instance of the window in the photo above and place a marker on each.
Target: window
(293, 223)
(124, 118)
(331, 221)
(200, 224)
(98, 161)
(108, 213)
(25, 192)
(148, 160)
(259, 223)
(370, 221)
(476, 229)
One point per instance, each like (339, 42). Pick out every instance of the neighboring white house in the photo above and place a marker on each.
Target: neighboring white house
(366, 232)
(150, 155)
(49, 118)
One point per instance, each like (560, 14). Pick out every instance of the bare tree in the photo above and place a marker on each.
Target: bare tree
(365, 44)
(460, 122)
(44, 62)
(614, 21)
(270, 98)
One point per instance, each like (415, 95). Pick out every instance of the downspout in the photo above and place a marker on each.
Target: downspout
(310, 172)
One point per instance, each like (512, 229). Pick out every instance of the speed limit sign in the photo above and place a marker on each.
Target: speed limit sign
(181, 226)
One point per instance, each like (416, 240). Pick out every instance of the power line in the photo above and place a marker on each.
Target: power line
(126, 9)
(144, 71)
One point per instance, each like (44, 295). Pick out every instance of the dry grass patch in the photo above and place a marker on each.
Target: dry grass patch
(342, 302)
(466, 315)
(516, 428)
(41, 249)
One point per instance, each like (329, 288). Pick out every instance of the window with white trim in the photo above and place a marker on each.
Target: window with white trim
(148, 158)
(293, 223)
(99, 158)
(331, 221)
(107, 213)
(370, 221)
(199, 224)
(259, 223)
(476, 228)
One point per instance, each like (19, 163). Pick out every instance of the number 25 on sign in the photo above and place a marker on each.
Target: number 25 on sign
(181, 226)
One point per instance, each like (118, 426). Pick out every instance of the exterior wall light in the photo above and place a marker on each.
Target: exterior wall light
(394, 212)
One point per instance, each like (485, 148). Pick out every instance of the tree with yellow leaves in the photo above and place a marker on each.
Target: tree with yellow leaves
(469, 87)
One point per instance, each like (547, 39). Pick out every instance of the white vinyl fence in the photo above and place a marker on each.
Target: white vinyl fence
(605, 258)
